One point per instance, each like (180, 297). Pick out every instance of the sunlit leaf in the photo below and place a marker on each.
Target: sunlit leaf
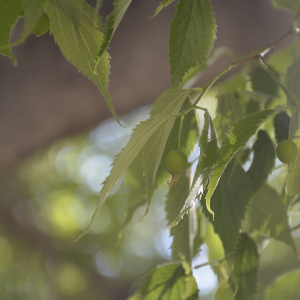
(263, 160)
(82, 52)
(161, 5)
(206, 163)
(286, 287)
(224, 292)
(10, 11)
(229, 203)
(238, 135)
(186, 230)
(192, 33)
(169, 282)
(113, 20)
(168, 104)
(246, 266)
(267, 214)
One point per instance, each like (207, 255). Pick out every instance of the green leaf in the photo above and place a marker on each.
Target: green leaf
(263, 160)
(229, 203)
(82, 52)
(267, 214)
(262, 82)
(229, 110)
(136, 296)
(246, 266)
(161, 5)
(71, 9)
(224, 292)
(169, 102)
(281, 126)
(169, 282)
(292, 80)
(286, 287)
(113, 21)
(238, 135)
(293, 178)
(186, 230)
(188, 140)
(192, 33)
(10, 11)
(292, 5)
(208, 156)
(33, 9)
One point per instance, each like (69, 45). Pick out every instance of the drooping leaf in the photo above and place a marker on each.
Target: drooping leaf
(208, 156)
(229, 203)
(281, 126)
(186, 230)
(224, 292)
(188, 140)
(262, 82)
(263, 160)
(267, 214)
(113, 20)
(246, 266)
(293, 178)
(291, 5)
(286, 287)
(238, 135)
(82, 52)
(168, 103)
(169, 282)
(33, 9)
(10, 11)
(292, 81)
(229, 110)
(161, 5)
(71, 9)
(192, 33)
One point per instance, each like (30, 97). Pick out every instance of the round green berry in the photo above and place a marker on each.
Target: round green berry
(175, 162)
(286, 151)
(41, 25)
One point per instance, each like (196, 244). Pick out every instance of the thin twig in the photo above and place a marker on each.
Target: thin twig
(209, 263)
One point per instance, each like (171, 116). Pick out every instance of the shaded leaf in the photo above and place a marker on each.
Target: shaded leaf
(169, 282)
(10, 11)
(267, 214)
(186, 230)
(208, 156)
(263, 160)
(292, 81)
(286, 287)
(169, 102)
(246, 266)
(82, 52)
(224, 292)
(161, 5)
(192, 33)
(293, 178)
(292, 5)
(238, 135)
(281, 126)
(229, 203)
(113, 20)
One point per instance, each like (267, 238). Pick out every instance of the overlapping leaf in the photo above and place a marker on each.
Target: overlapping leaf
(10, 11)
(168, 104)
(81, 52)
(246, 266)
(240, 132)
(169, 282)
(206, 163)
(192, 33)
(113, 20)
(267, 214)
(286, 287)
(229, 203)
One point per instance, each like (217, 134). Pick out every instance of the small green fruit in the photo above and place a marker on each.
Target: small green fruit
(286, 151)
(175, 162)
(41, 25)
